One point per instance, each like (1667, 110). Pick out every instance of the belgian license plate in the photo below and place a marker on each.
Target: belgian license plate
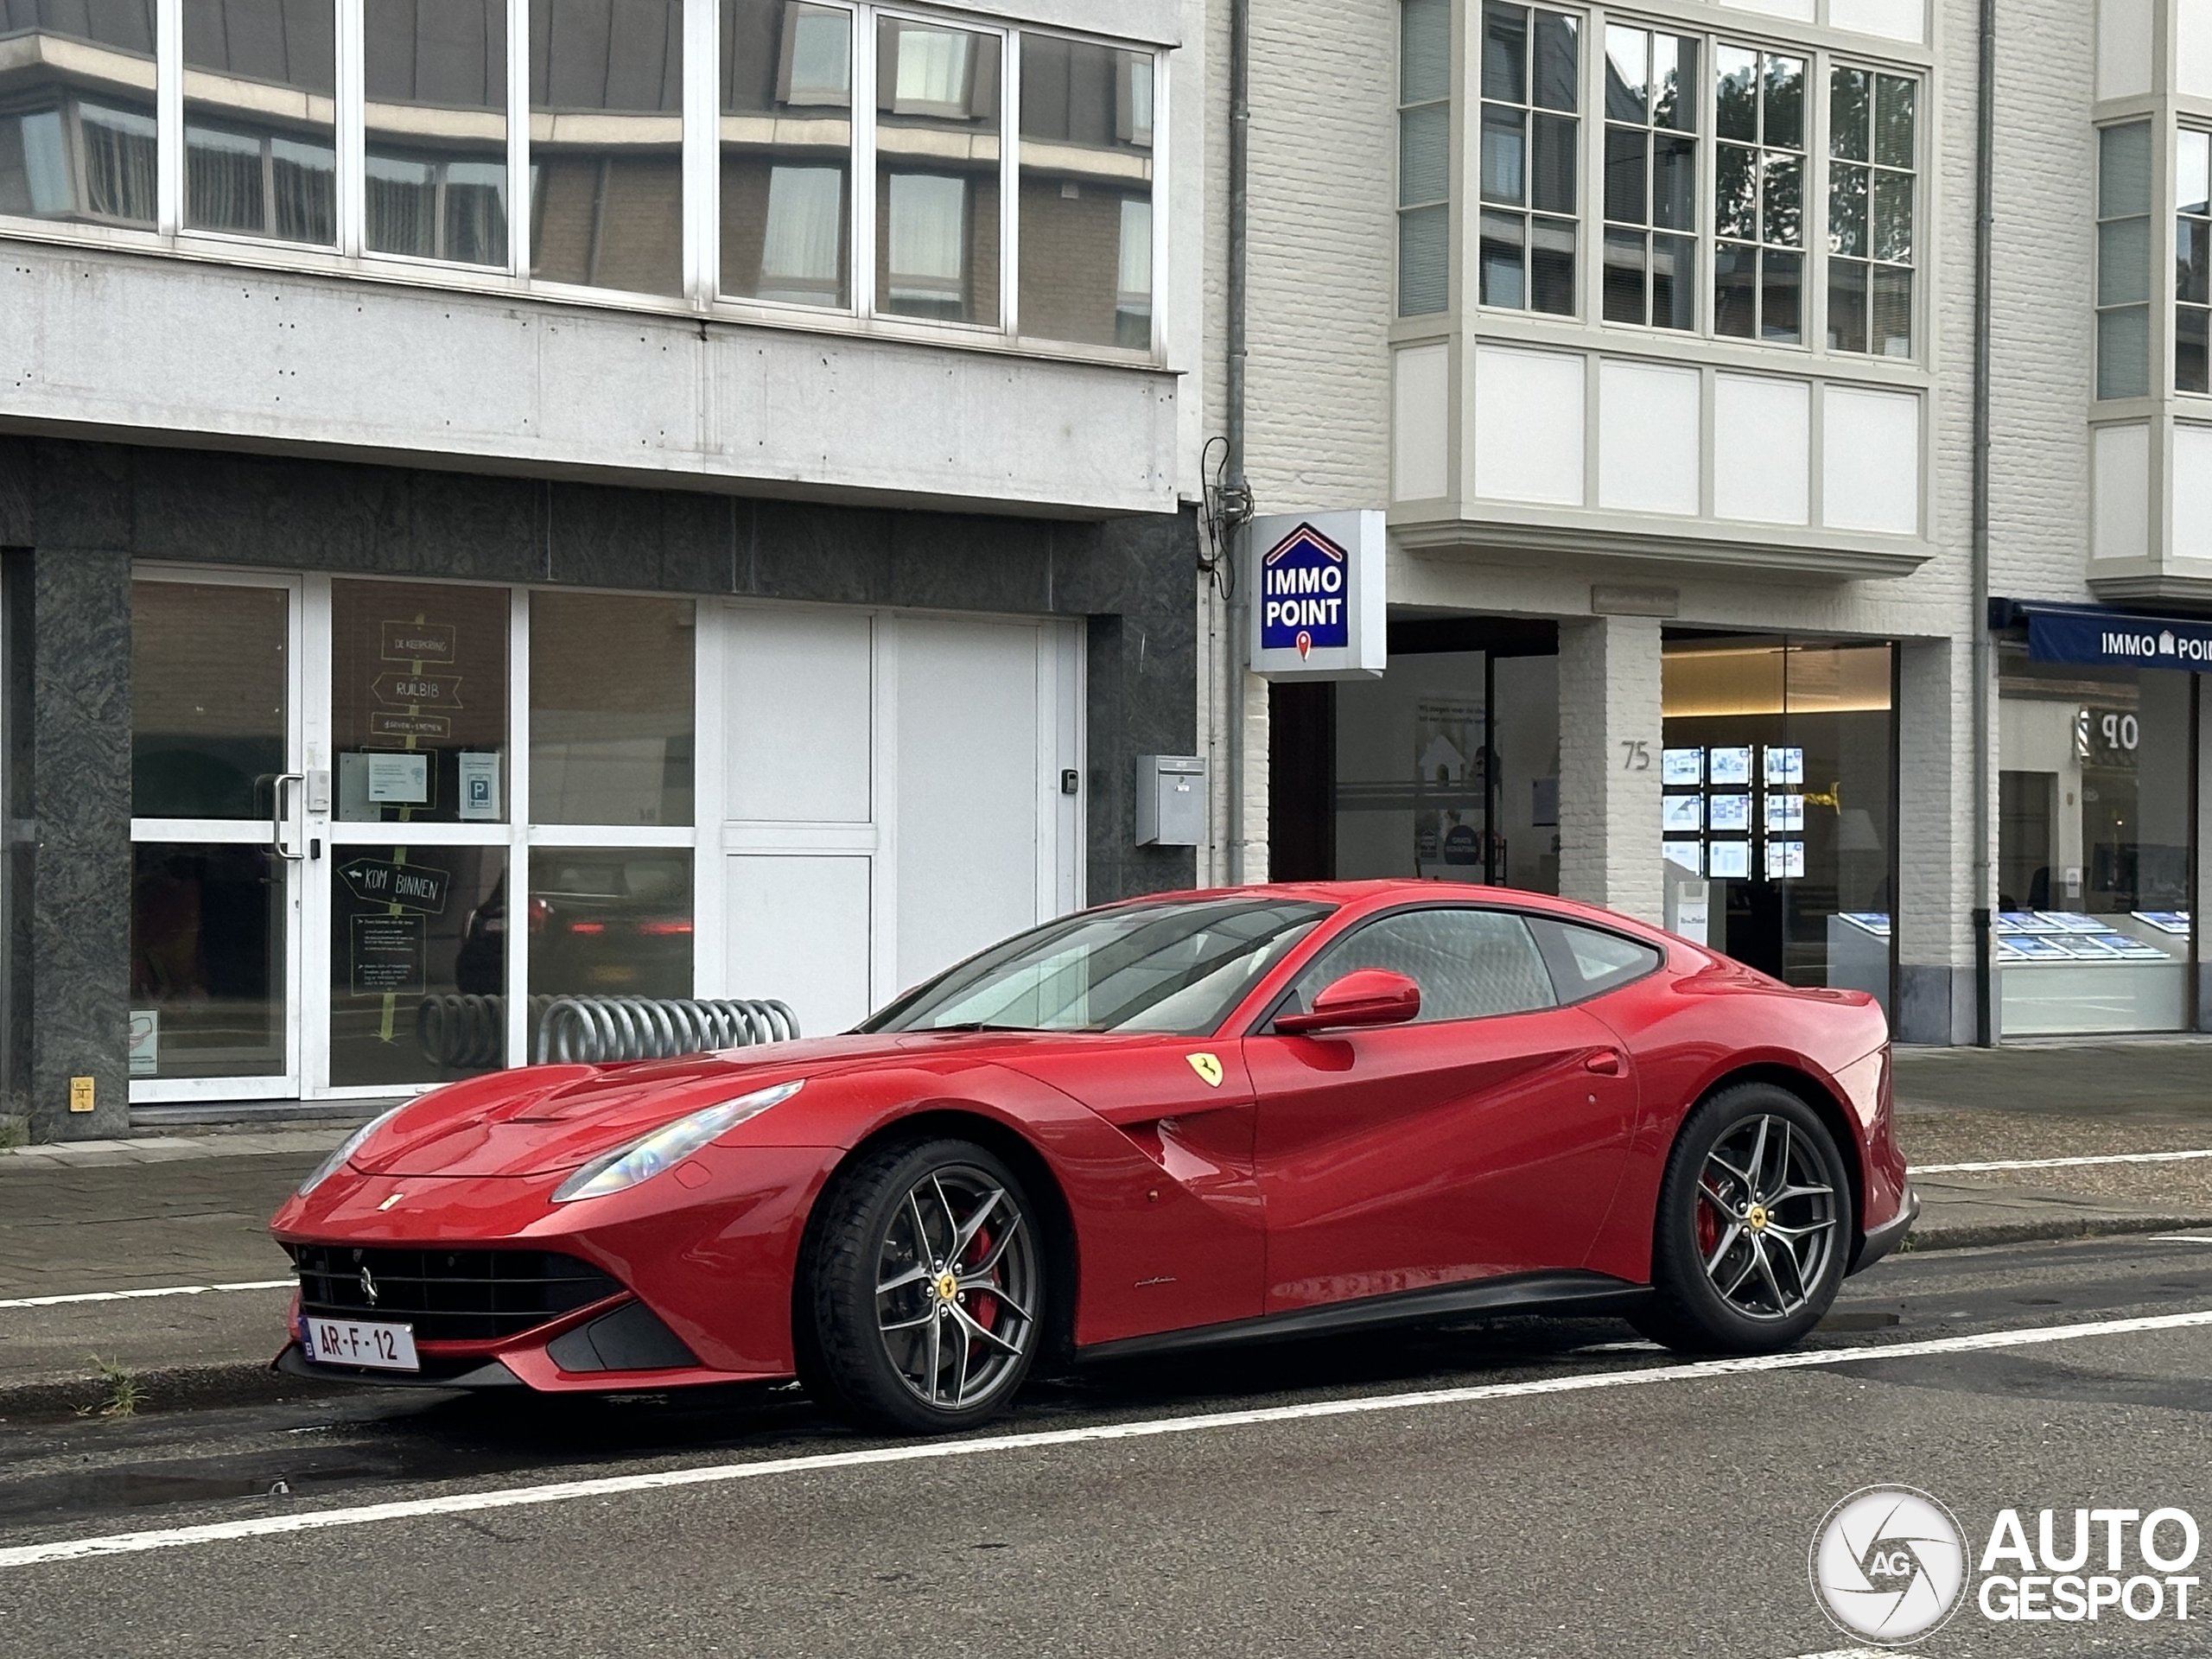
(377, 1347)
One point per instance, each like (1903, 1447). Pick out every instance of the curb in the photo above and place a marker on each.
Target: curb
(220, 1385)
(1974, 1235)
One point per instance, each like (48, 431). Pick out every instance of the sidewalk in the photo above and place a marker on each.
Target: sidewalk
(96, 1219)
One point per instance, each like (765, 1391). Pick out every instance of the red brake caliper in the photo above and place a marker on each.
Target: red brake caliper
(1708, 1224)
(984, 1306)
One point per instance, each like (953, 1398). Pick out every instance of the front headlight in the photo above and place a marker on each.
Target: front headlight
(330, 1165)
(670, 1144)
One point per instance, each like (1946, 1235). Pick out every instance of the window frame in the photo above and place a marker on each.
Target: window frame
(2153, 293)
(2201, 223)
(1588, 22)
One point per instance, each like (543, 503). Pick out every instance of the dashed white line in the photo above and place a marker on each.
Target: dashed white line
(139, 1295)
(2062, 1163)
(129, 1543)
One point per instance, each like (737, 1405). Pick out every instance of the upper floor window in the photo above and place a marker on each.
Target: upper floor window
(1651, 121)
(1531, 146)
(1758, 212)
(1086, 193)
(2124, 261)
(937, 148)
(434, 117)
(2193, 263)
(786, 152)
(1871, 160)
(79, 145)
(1424, 156)
(260, 118)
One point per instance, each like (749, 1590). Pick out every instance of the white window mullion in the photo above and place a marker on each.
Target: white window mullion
(518, 219)
(352, 146)
(168, 114)
(1010, 182)
(864, 181)
(517, 804)
(1161, 124)
(702, 139)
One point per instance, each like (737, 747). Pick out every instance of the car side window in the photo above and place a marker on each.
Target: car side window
(1469, 964)
(1588, 960)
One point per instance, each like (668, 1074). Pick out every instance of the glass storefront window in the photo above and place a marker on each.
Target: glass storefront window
(607, 144)
(418, 701)
(436, 81)
(1778, 770)
(2092, 930)
(210, 688)
(260, 118)
(1086, 193)
(786, 152)
(79, 145)
(610, 921)
(611, 728)
(936, 142)
(418, 958)
(208, 959)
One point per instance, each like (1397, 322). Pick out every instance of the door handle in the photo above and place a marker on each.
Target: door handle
(278, 823)
(1606, 1063)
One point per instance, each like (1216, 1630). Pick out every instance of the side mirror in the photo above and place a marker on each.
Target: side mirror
(1369, 997)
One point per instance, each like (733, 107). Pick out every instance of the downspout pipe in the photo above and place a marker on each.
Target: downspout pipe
(1984, 653)
(1240, 122)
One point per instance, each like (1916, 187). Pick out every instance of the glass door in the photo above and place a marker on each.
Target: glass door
(217, 798)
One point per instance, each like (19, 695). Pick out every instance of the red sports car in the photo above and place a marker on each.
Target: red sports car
(1169, 1123)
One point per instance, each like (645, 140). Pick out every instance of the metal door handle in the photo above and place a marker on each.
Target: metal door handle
(1606, 1063)
(278, 823)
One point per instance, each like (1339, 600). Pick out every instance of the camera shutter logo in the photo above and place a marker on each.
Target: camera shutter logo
(1889, 1565)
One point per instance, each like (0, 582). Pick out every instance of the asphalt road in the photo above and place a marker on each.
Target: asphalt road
(1599, 1515)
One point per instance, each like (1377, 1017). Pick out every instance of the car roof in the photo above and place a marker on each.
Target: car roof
(1380, 894)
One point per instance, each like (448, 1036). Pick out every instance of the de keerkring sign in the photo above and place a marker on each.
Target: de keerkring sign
(1317, 601)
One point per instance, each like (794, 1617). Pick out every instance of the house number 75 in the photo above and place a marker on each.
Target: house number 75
(1636, 755)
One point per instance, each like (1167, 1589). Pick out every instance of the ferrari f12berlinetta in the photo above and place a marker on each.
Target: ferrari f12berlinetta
(1173, 1123)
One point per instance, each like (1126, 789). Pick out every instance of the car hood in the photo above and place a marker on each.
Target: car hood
(545, 1120)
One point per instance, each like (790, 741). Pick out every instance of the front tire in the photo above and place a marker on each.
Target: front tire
(921, 1301)
(1753, 1228)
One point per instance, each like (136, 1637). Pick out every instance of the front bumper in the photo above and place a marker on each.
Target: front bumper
(1879, 1241)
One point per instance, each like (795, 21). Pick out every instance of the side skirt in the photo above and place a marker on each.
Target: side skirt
(1578, 1291)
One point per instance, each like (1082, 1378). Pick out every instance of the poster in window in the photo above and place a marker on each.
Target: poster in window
(1682, 814)
(1785, 815)
(1730, 767)
(1449, 784)
(1686, 854)
(1730, 860)
(1682, 767)
(1731, 812)
(1785, 860)
(1785, 767)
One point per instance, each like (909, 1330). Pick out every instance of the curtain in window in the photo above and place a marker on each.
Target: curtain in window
(476, 213)
(802, 253)
(119, 177)
(932, 66)
(301, 178)
(928, 217)
(402, 206)
(224, 180)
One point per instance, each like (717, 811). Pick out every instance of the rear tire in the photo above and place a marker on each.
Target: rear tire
(1753, 1227)
(920, 1304)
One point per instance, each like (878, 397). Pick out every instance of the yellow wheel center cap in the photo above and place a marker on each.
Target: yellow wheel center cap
(947, 1286)
(1755, 1217)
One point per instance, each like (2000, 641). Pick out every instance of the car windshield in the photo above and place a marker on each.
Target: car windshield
(1177, 968)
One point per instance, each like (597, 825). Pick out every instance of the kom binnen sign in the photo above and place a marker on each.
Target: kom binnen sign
(1317, 596)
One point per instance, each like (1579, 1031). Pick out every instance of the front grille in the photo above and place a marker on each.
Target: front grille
(446, 1296)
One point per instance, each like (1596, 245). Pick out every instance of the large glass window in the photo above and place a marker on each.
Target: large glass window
(1652, 100)
(1086, 193)
(937, 143)
(435, 77)
(786, 152)
(610, 922)
(2124, 261)
(417, 955)
(77, 143)
(1470, 964)
(260, 118)
(210, 679)
(418, 701)
(2193, 263)
(1778, 769)
(1758, 208)
(610, 709)
(1532, 77)
(1871, 157)
(2092, 931)
(1424, 156)
(607, 144)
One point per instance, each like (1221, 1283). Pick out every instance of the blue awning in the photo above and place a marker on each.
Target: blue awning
(2090, 633)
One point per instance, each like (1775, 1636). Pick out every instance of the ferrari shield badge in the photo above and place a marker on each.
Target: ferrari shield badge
(1207, 1067)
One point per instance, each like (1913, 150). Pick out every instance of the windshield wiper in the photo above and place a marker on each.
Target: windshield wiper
(980, 1025)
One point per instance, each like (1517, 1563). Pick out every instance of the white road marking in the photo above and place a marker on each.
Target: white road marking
(2061, 1163)
(2180, 1238)
(1854, 1653)
(136, 1295)
(129, 1543)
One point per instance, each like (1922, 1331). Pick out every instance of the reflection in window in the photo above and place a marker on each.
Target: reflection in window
(786, 152)
(418, 701)
(79, 146)
(610, 922)
(208, 925)
(260, 117)
(937, 145)
(1759, 264)
(1869, 211)
(2124, 261)
(210, 677)
(607, 144)
(1086, 193)
(610, 709)
(2193, 264)
(1424, 156)
(1531, 73)
(417, 940)
(436, 74)
(1651, 86)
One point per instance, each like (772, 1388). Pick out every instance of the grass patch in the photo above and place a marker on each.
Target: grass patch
(120, 1395)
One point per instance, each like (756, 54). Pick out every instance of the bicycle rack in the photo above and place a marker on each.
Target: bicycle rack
(469, 1032)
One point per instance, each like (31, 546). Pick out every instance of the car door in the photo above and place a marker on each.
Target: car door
(1484, 1137)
